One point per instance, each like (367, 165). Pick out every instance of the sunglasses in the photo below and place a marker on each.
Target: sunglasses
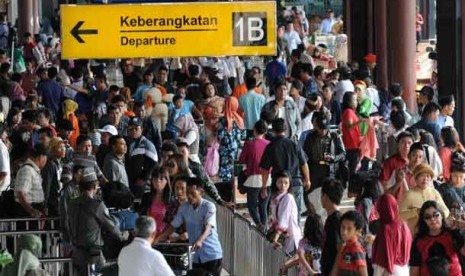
(435, 215)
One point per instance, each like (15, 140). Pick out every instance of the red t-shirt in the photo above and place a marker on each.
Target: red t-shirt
(445, 153)
(421, 252)
(353, 257)
(350, 137)
(391, 164)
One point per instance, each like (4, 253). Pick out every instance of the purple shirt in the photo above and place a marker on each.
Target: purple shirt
(252, 154)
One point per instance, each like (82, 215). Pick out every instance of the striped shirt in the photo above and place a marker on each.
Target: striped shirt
(353, 257)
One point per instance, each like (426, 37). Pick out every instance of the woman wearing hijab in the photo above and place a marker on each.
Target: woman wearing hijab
(364, 105)
(26, 260)
(188, 129)
(391, 249)
(69, 109)
(230, 132)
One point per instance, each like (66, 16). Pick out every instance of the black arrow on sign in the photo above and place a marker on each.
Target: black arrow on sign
(76, 32)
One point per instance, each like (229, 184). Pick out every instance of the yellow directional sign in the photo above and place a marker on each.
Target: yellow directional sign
(168, 30)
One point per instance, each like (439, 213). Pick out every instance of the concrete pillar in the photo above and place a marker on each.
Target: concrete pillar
(25, 18)
(381, 44)
(401, 42)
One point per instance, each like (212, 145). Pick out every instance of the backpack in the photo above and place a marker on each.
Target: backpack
(383, 107)
(342, 171)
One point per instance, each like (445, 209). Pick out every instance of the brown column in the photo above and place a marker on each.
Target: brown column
(348, 28)
(370, 26)
(35, 17)
(381, 44)
(401, 39)
(25, 18)
(461, 97)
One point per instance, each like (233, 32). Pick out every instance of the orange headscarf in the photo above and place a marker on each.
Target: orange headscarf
(230, 111)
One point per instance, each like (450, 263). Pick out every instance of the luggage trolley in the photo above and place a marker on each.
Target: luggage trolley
(178, 255)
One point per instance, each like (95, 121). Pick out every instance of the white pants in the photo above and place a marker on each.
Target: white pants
(398, 271)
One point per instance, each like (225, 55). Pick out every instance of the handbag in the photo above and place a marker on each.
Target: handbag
(241, 178)
(272, 232)
(7, 203)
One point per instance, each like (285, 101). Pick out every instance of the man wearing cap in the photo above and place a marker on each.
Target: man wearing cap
(447, 109)
(426, 96)
(113, 166)
(328, 22)
(141, 158)
(324, 149)
(51, 175)
(5, 172)
(87, 218)
(104, 148)
(29, 194)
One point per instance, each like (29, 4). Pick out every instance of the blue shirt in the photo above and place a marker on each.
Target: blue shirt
(52, 94)
(431, 127)
(251, 103)
(139, 95)
(274, 70)
(195, 220)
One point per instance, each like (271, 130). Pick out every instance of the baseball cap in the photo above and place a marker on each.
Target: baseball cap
(427, 91)
(89, 175)
(135, 121)
(322, 121)
(109, 129)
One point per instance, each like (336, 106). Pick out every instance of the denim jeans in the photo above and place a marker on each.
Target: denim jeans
(298, 192)
(254, 201)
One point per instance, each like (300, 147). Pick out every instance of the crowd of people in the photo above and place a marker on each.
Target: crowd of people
(146, 161)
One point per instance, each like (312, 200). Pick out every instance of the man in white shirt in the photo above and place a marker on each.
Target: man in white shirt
(328, 22)
(4, 160)
(139, 258)
(292, 37)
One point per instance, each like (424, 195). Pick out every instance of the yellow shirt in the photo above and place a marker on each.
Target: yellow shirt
(414, 198)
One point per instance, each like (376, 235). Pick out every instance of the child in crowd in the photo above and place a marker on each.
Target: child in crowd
(309, 250)
(351, 259)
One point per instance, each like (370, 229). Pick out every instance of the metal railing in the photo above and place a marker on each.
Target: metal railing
(28, 223)
(58, 266)
(246, 251)
(46, 228)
